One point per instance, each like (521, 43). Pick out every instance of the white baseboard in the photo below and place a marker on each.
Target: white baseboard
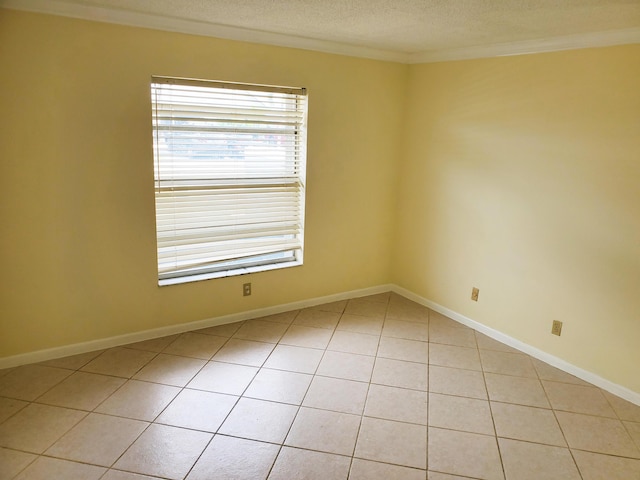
(110, 342)
(614, 388)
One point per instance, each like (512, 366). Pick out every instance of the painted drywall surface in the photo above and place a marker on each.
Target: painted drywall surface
(78, 234)
(521, 176)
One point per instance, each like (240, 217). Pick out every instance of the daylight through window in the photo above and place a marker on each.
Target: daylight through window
(229, 177)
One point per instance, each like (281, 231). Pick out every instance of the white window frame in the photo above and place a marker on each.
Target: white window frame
(229, 171)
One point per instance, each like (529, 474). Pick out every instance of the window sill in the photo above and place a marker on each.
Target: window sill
(226, 273)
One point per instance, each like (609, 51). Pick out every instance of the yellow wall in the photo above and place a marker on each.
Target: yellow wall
(518, 175)
(521, 176)
(77, 200)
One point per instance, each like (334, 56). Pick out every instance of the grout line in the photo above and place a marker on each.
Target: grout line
(299, 406)
(428, 437)
(213, 435)
(366, 397)
(153, 422)
(555, 416)
(493, 421)
(284, 439)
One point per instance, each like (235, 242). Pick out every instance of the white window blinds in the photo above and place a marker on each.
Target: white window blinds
(229, 177)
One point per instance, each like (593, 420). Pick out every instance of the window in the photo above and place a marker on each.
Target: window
(229, 177)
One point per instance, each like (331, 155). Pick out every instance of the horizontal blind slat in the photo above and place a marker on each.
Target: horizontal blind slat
(229, 174)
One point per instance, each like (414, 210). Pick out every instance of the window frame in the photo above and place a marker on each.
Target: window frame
(279, 172)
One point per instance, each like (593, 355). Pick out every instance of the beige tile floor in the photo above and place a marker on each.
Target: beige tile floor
(371, 388)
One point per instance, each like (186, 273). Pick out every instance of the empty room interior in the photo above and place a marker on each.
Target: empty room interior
(460, 196)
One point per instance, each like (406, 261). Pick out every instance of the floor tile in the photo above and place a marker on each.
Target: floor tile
(13, 462)
(348, 366)
(294, 359)
(368, 470)
(407, 330)
(354, 389)
(396, 298)
(487, 343)
(408, 315)
(36, 427)
(383, 297)
(244, 352)
(97, 439)
(198, 410)
(196, 345)
(337, 307)
(462, 453)
(351, 342)
(459, 413)
(336, 394)
(518, 390)
(259, 420)
(284, 317)
(399, 404)
(73, 362)
(229, 458)
(324, 431)
(164, 452)
(279, 386)
(154, 345)
(462, 337)
(170, 370)
(226, 330)
(119, 362)
(439, 319)
(83, 391)
(113, 474)
(311, 317)
(223, 378)
(392, 442)
(594, 466)
(578, 399)
(454, 357)
(48, 468)
(310, 337)
(504, 363)
(403, 349)
(634, 430)
(407, 310)
(261, 331)
(531, 424)
(455, 381)
(9, 407)
(6, 371)
(366, 308)
(612, 438)
(139, 400)
(624, 409)
(547, 372)
(304, 464)
(30, 381)
(398, 373)
(531, 461)
(360, 324)
(444, 476)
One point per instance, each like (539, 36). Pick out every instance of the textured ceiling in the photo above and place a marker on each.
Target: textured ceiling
(406, 27)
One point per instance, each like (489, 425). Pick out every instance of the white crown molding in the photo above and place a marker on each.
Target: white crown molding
(569, 42)
(194, 27)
